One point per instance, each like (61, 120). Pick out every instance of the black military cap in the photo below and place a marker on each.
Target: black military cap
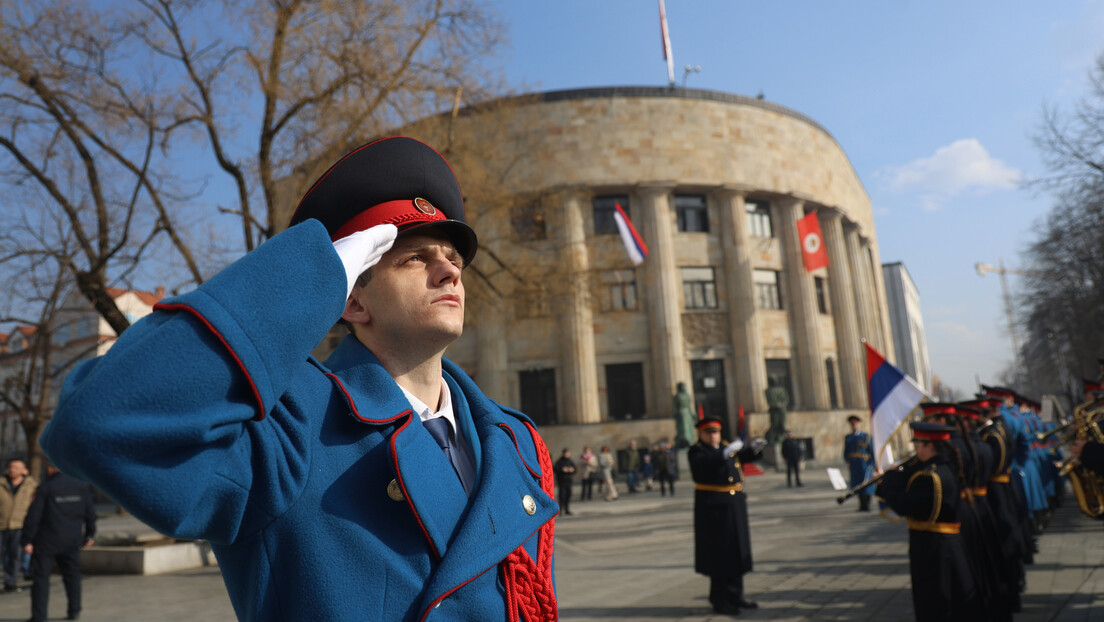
(853, 418)
(396, 180)
(709, 422)
(924, 431)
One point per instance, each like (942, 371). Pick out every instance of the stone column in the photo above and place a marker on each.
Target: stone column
(881, 303)
(852, 360)
(812, 380)
(663, 284)
(747, 343)
(578, 390)
(492, 366)
(864, 289)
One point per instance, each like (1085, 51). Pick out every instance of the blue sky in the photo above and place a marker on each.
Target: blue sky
(934, 102)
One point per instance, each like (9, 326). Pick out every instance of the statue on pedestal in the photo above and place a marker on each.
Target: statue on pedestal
(777, 401)
(683, 408)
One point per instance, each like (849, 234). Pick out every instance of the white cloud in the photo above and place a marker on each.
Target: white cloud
(962, 166)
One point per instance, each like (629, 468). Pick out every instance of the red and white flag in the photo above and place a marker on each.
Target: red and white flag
(667, 55)
(634, 244)
(812, 243)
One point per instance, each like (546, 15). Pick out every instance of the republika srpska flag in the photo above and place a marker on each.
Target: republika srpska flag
(812, 242)
(634, 244)
(893, 395)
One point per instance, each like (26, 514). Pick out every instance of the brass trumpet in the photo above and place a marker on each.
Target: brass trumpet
(1087, 485)
(909, 459)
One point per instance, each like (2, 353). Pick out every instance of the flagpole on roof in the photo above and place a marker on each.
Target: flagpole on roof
(667, 55)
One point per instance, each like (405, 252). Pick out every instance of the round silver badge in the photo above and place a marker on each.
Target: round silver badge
(529, 504)
(424, 206)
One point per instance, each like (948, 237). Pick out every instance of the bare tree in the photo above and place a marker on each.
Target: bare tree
(1072, 144)
(135, 122)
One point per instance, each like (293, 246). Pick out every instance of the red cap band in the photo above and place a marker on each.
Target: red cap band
(931, 436)
(400, 213)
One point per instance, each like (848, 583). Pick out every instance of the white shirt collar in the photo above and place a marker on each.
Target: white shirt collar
(426, 413)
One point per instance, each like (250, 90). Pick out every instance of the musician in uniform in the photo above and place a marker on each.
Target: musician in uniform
(722, 541)
(860, 460)
(926, 492)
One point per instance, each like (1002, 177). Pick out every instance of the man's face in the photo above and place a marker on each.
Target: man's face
(16, 469)
(925, 450)
(415, 292)
(854, 425)
(710, 436)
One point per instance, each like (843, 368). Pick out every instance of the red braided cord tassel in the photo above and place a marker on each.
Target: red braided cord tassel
(529, 584)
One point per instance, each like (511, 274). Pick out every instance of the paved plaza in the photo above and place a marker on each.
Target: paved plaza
(632, 559)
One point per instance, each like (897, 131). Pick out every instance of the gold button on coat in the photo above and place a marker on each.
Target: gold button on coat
(394, 491)
(529, 504)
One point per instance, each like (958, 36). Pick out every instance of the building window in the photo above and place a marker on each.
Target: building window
(821, 286)
(698, 288)
(620, 286)
(768, 294)
(538, 395)
(528, 221)
(692, 213)
(604, 210)
(778, 370)
(531, 302)
(830, 373)
(759, 219)
(625, 390)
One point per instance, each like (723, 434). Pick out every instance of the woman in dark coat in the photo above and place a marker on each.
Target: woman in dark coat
(722, 543)
(927, 494)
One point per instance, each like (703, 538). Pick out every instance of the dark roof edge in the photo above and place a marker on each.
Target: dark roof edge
(671, 92)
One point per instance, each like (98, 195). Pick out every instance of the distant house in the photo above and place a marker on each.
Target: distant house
(77, 333)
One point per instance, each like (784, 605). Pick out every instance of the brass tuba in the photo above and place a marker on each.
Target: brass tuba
(1087, 485)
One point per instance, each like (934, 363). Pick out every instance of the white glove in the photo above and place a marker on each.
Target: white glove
(758, 443)
(363, 249)
(733, 447)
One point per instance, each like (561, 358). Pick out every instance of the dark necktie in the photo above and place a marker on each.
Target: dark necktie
(441, 431)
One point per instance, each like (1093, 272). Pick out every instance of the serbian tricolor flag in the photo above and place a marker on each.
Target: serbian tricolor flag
(634, 244)
(812, 243)
(667, 55)
(893, 396)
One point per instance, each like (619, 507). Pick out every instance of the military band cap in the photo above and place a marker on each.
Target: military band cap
(998, 392)
(396, 180)
(970, 412)
(938, 408)
(853, 418)
(979, 403)
(1092, 385)
(925, 431)
(709, 423)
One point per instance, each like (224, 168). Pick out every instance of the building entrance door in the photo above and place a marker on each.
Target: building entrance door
(709, 390)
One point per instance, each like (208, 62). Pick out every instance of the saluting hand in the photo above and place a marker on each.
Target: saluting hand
(363, 249)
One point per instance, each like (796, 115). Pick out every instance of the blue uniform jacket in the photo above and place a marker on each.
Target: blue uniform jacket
(860, 458)
(319, 489)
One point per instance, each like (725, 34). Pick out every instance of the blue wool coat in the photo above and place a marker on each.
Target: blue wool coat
(319, 489)
(860, 459)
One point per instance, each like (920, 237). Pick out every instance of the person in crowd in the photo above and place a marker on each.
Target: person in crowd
(607, 464)
(565, 474)
(384, 467)
(17, 490)
(666, 468)
(647, 470)
(60, 521)
(632, 467)
(927, 494)
(859, 456)
(792, 452)
(722, 539)
(588, 473)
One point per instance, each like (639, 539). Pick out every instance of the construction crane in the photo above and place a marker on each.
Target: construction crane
(1013, 332)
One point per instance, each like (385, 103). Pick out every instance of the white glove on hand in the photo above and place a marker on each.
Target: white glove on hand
(733, 447)
(363, 249)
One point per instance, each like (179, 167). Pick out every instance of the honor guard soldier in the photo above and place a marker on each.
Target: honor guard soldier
(860, 460)
(381, 484)
(722, 541)
(926, 493)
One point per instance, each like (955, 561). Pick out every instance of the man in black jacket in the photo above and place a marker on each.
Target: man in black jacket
(62, 519)
(792, 452)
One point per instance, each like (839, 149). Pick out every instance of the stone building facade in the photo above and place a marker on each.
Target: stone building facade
(564, 327)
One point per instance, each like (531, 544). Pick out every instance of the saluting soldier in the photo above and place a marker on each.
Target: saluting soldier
(381, 484)
(927, 494)
(722, 541)
(859, 456)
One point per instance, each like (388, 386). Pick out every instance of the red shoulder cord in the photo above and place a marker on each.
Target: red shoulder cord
(528, 584)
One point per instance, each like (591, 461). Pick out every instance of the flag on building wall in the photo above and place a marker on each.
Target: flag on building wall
(634, 244)
(667, 55)
(812, 242)
(893, 396)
